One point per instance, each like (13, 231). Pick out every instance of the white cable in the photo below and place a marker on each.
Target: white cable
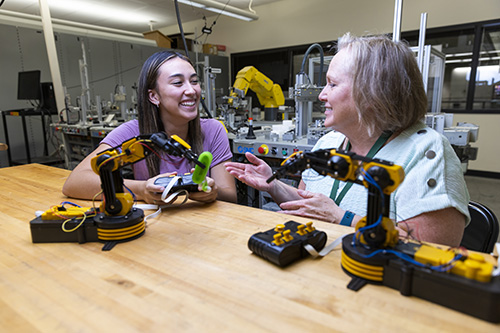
(155, 214)
(165, 199)
(146, 206)
(164, 194)
(173, 196)
(161, 207)
(169, 187)
(312, 251)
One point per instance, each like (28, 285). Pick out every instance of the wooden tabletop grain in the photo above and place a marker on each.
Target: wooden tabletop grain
(191, 271)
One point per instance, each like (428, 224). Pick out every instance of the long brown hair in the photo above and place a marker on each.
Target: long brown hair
(148, 113)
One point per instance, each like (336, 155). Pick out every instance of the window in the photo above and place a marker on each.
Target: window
(487, 92)
(458, 49)
(472, 66)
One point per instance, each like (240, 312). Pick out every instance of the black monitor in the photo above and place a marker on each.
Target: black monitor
(28, 85)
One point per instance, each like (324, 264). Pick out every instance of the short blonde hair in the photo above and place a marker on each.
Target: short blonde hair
(387, 85)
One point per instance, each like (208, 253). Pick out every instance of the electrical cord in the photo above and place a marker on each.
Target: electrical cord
(355, 241)
(314, 46)
(209, 30)
(179, 23)
(327, 249)
(167, 200)
(83, 217)
(174, 195)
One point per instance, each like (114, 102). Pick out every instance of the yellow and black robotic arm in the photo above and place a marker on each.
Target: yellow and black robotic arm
(108, 165)
(453, 277)
(269, 94)
(117, 220)
(380, 177)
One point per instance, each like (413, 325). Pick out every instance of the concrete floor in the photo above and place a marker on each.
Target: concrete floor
(485, 191)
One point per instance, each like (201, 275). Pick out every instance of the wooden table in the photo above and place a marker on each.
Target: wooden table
(191, 271)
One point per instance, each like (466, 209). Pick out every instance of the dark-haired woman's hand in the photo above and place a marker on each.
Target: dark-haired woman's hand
(209, 195)
(151, 192)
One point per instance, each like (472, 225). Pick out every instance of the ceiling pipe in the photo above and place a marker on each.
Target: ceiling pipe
(221, 8)
(74, 28)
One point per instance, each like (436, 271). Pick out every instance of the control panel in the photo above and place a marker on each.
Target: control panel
(72, 129)
(80, 139)
(100, 131)
(268, 148)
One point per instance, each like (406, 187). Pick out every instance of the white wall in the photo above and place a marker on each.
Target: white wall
(296, 22)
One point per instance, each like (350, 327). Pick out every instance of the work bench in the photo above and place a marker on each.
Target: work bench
(190, 272)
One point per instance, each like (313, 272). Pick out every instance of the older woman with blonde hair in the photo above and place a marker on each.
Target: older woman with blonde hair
(375, 102)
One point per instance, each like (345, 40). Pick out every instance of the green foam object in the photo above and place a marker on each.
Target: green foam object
(199, 173)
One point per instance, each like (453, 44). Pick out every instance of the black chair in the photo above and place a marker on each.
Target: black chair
(482, 232)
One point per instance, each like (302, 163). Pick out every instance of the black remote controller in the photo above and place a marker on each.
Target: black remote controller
(185, 182)
(285, 243)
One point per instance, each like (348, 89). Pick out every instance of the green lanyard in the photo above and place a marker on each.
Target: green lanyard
(373, 150)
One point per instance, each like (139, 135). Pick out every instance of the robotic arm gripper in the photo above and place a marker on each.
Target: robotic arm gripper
(108, 165)
(380, 177)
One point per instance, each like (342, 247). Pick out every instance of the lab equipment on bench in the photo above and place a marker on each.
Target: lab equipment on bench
(455, 278)
(116, 220)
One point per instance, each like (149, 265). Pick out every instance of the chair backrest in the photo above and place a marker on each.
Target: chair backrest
(482, 232)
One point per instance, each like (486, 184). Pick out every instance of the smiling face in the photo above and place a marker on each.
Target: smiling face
(340, 109)
(177, 92)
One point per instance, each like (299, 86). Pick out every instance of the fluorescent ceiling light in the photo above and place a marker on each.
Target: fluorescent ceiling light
(489, 58)
(465, 54)
(220, 8)
(470, 60)
(192, 3)
(458, 61)
(97, 9)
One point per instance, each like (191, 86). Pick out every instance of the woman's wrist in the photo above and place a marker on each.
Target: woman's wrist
(272, 188)
(281, 192)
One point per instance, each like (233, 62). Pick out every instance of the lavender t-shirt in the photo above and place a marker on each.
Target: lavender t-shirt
(215, 141)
